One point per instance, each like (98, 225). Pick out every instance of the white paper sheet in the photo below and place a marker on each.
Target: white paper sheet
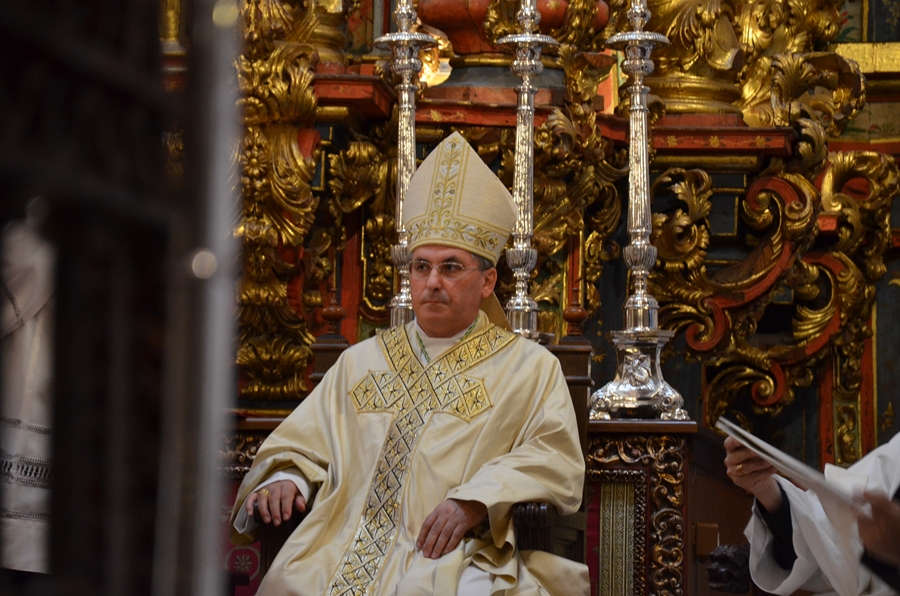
(788, 466)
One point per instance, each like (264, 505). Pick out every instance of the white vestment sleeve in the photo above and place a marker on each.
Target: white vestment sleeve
(243, 523)
(825, 537)
(766, 573)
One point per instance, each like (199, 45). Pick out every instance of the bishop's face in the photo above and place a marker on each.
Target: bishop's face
(445, 306)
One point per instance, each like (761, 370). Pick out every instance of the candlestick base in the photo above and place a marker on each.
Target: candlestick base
(638, 390)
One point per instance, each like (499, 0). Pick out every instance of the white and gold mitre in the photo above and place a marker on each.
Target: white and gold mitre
(454, 199)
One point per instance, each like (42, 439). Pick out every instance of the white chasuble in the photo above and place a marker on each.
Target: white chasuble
(384, 439)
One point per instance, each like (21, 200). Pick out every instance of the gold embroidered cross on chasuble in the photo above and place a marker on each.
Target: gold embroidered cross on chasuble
(413, 392)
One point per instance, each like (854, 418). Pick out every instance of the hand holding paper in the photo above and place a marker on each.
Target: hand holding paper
(821, 549)
(789, 467)
(752, 473)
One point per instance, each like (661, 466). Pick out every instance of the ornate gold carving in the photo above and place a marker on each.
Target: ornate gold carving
(680, 243)
(722, 53)
(275, 77)
(577, 29)
(663, 456)
(886, 421)
(865, 231)
(239, 453)
(697, 70)
(357, 175)
(773, 28)
(413, 393)
(702, 36)
(173, 142)
(863, 237)
(822, 87)
(833, 289)
(500, 20)
(170, 24)
(719, 311)
(379, 268)
(328, 35)
(361, 179)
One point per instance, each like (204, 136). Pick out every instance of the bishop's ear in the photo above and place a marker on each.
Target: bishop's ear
(490, 280)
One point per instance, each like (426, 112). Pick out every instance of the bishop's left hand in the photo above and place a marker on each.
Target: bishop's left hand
(447, 524)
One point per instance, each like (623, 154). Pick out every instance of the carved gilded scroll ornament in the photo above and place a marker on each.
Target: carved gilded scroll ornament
(778, 27)
(722, 53)
(832, 285)
(816, 94)
(239, 451)
(278, 205)
(820, 86)
(718, 311)
(362, 180)
(863, 237)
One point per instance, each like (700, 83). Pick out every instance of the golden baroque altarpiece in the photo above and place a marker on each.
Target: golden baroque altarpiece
(770, 242)
(743, 109)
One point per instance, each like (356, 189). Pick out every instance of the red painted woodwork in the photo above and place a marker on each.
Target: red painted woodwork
(463, 20)
(368, 95)
(451, 112)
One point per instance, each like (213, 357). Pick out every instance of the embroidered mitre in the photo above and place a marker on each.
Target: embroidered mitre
(454, 199)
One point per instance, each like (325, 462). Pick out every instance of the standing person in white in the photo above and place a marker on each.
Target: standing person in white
(799, 541)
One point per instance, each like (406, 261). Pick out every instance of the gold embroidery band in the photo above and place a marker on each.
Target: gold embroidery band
(412, 392)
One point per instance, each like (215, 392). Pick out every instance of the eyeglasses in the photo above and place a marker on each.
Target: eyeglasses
(421, 269)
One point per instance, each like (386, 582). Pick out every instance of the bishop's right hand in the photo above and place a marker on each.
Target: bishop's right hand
(276, 502)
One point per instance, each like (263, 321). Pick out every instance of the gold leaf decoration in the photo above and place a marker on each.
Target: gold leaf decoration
(275, 75)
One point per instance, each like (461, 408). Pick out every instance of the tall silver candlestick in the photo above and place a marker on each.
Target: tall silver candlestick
(404, 46)
(521, 309)
(639, 389)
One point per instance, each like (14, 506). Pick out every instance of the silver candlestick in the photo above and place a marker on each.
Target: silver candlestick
(404, 46)
(638, 389)
(521, 309)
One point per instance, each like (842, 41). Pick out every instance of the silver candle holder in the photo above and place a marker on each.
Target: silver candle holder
(404, 46)
(521, 309)
(638, 389)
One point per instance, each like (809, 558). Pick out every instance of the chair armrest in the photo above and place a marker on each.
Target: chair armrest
(540, 526)
(272, 537)
(533, 522)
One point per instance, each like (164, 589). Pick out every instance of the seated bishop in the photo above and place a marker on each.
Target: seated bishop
(410, 454)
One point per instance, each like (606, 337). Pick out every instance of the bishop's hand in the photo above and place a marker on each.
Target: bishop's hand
(276, 502)
(447, 524)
